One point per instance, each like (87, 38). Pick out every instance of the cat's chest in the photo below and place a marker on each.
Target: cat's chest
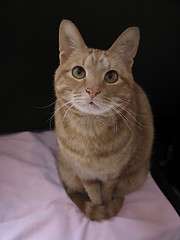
(92, 138)
(94, 149)
(94, 159)
(97, 174)
(94, 167)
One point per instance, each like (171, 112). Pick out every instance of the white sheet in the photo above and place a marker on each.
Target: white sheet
(34, 204)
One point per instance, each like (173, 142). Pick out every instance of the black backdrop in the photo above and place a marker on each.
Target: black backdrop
(29, 52)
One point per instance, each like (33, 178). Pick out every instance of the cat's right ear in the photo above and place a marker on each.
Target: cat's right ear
(69, 40)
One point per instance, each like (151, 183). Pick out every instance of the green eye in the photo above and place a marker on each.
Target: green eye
(111, 76)
(78, 72)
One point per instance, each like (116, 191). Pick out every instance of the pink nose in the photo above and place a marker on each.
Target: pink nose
(93, 92)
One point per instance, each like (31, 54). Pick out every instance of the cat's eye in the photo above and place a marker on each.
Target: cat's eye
(78, 72)
(111, 76)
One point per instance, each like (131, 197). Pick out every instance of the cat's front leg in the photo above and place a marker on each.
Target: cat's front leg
(93, 189)
(108, 189)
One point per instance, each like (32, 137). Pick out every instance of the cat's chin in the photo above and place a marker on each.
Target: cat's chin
(90, 108)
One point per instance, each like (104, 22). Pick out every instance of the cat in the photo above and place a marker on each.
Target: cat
(103, 122)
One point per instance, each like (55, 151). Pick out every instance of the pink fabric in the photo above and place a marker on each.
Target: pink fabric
(34, 204)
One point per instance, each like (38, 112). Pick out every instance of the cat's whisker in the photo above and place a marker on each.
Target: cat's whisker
(47, 106)
(133, 123)
(125, 107)
(79, 98)
(135, 114)
(140, 124)
(106, 102)
(63, 105)
(57, 110)
(125, 119)
(128, 102)
(77, 95)
(50, 122)
(114, 120)
(65, 114)
(51, 118)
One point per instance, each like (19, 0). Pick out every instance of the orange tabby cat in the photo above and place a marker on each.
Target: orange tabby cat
(103, 121)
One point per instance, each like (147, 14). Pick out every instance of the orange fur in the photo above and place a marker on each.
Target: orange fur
(104, 130)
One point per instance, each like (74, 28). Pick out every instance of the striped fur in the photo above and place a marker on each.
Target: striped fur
(105, 139)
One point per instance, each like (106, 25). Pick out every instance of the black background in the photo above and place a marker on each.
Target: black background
(29, 52)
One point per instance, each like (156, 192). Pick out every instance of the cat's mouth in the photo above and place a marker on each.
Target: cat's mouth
(93, 104)
(90, 107)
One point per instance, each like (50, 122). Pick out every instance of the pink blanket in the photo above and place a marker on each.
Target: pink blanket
(34, 204)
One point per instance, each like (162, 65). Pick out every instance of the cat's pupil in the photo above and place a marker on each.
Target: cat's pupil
(110, 75)
(79, 70)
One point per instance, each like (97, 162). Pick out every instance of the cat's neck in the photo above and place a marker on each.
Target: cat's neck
(87, 123)
(97, 125)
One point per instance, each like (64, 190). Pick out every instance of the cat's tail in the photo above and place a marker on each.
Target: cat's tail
(97, 212)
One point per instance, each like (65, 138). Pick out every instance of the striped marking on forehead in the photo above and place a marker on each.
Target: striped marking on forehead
(98, 59)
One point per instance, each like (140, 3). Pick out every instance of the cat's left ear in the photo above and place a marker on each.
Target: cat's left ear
(69, 40)
(127, 45)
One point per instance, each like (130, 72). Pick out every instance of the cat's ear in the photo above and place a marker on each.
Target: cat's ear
(69, 40)
(127, 45)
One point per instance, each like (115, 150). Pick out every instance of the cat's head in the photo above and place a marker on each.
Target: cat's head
(94, 81)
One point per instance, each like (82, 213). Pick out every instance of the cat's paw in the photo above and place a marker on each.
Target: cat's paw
(97, 212)
(104, 211)
(106, 199)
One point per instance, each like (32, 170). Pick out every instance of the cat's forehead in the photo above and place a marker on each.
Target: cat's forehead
(96, 58)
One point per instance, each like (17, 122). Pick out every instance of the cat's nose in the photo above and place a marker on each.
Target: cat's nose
(93, 92)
